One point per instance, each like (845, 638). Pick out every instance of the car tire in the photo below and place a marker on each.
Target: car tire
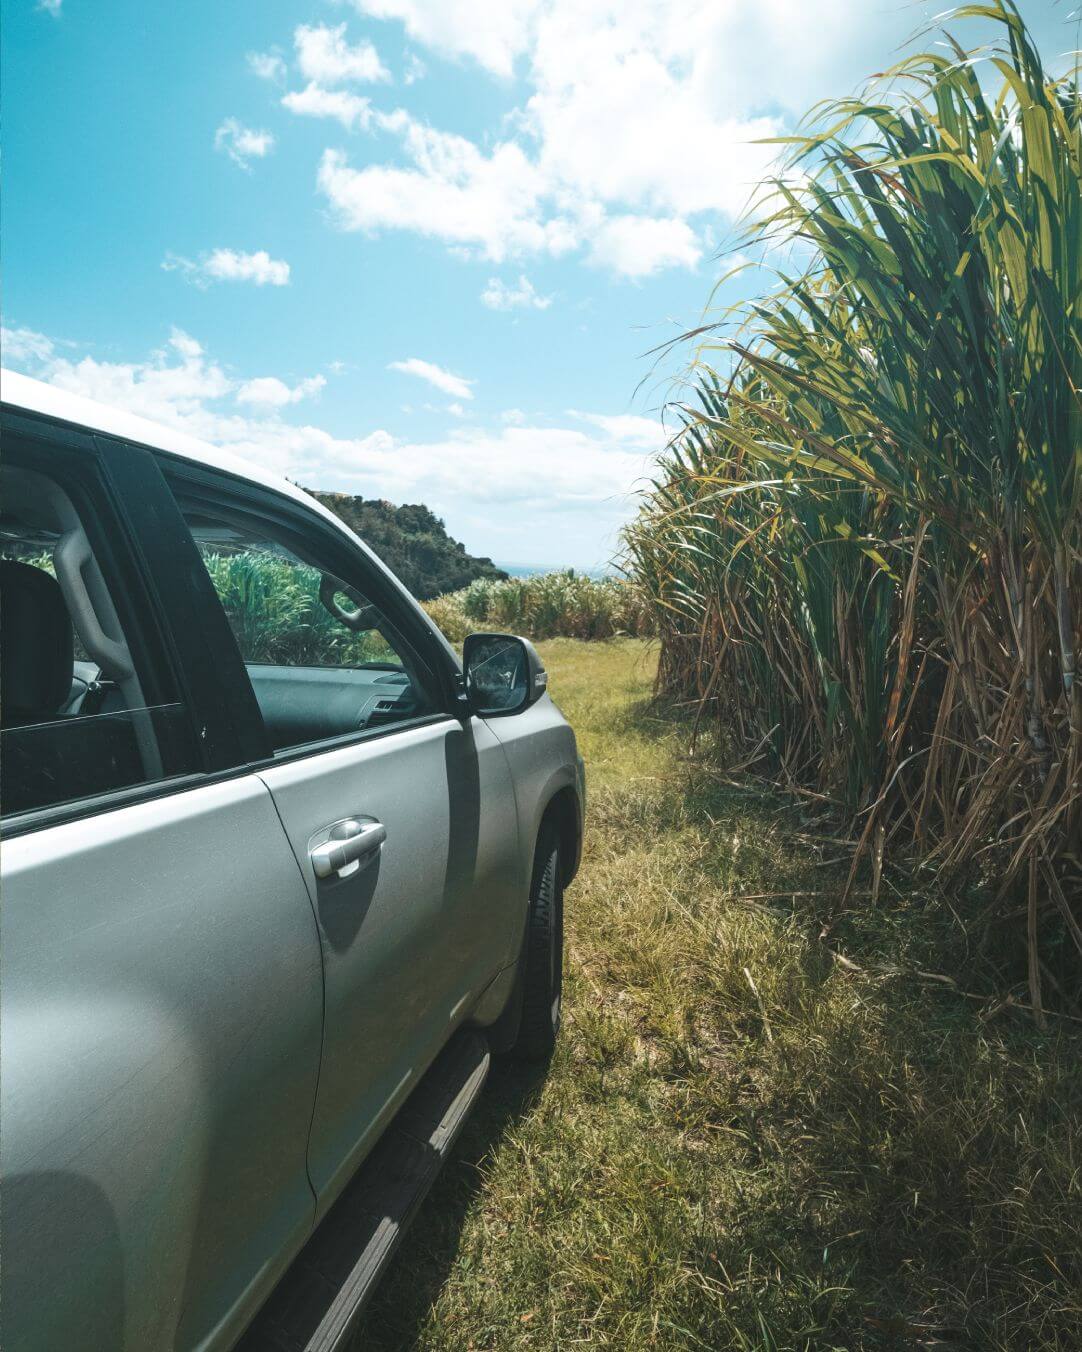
(543, 954)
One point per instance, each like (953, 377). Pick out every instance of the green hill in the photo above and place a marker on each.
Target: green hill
(412, 542)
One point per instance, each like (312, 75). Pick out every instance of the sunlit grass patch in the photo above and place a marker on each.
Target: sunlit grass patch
(741, 1142)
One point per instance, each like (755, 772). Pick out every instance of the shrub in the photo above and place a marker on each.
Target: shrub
(547, 605)
(449, 617)
(274, 610)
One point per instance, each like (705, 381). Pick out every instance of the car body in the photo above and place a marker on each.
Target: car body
(203, 1037)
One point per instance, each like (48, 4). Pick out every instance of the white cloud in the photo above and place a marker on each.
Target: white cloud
(352, 110)
(456, 410)
(241, 143)
(643, 122)
(21, 346)
(229, 265)
(489, 204)
(552, 495)
(621, 117)
(493, 34)
(415, 69)
(52, 7)
(499, 295)
(174, 385)
(190, 348)
(268, 66)
(629, 429)
(637, 246)
(814, 50)
(504, 203)
(270, 392)
(495, 205)
(456, 386)
(325, 57)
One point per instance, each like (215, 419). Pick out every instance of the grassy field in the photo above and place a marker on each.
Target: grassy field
(751, 1136)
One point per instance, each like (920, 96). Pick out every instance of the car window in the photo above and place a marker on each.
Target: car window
(323, 660)
(79, 713)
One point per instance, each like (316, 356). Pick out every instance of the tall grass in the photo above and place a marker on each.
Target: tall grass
(865, 550)
(548, 605)
(274, 610)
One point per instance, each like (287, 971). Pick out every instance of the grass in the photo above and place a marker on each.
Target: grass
(743, 1142)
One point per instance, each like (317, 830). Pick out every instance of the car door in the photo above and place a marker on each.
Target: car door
(160, 971)
(401, 814)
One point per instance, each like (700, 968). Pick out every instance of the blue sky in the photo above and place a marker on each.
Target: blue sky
(413, 249)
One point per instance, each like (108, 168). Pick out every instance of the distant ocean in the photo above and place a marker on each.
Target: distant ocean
(533, 569)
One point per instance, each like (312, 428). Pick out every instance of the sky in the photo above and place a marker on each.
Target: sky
(421, 250)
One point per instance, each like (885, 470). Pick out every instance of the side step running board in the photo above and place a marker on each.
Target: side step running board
(317, 1304)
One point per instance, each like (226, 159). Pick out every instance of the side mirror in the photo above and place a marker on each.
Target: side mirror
(503, 674)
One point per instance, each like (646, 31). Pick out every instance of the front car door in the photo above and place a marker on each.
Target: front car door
(401, 813)
(160, 967)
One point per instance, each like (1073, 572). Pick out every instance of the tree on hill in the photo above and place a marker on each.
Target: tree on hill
(413, 542)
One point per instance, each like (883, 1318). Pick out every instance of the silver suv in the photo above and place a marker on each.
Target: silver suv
(279, 874)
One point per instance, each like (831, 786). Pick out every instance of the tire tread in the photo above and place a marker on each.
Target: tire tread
(538, 1030)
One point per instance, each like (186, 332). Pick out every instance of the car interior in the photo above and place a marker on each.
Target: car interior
(72, 711)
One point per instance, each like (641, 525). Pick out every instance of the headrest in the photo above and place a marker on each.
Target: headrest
(38, 652)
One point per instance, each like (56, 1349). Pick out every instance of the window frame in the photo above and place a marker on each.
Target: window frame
(293, 521)
(97, 473)
(171, 608)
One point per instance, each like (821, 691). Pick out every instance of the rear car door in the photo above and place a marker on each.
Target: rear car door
(160, 970)
(401, 815)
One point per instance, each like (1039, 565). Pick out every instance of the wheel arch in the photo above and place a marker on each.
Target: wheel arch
(562, 811)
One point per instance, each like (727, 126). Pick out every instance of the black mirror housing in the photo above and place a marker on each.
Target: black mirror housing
(503, 674)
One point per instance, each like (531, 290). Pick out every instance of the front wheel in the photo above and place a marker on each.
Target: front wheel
(543, 954)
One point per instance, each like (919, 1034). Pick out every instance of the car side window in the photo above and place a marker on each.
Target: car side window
(81, 713)
(323, 660)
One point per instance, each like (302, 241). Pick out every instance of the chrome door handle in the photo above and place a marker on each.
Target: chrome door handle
(350, 841)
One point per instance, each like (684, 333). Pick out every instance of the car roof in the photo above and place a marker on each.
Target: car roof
(35, 396)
